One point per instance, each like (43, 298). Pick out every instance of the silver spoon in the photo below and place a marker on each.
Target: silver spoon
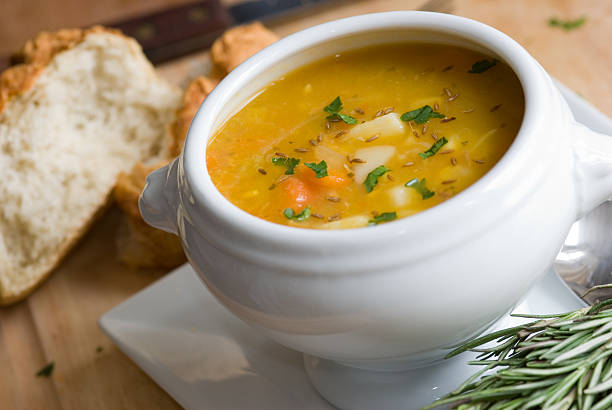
(585, 259)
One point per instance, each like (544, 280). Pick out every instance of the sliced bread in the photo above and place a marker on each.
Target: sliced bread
(138, 244)
(83, 106)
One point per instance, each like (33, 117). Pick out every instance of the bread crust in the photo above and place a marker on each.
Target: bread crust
(228, 51)
(195, 94)
(138, 244)
(36, 55)
(64, 250)
(16, 80)
(240, 43)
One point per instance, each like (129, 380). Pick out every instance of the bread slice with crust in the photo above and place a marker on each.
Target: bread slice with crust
(83, 106)
(138, 244)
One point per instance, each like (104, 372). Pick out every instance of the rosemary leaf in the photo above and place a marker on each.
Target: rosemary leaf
(558, 362)
(603, 404)
(564, 404)
(591, 324)
(588, 400)
(564, 387)
(566, 343)
(484, 339)
(606, 328)
(583, 348)
(607, 385)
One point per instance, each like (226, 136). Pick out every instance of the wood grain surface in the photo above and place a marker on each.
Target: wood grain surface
(58, 322)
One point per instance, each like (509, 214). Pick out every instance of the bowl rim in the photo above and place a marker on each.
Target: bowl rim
(226, 213)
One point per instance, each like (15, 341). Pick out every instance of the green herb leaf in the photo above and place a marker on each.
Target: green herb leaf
(345, 117)
(290, 214)
(434, 148)
(46, 371)
(421, 187)
(290, 163)
(384, 217)
(421, 115)
(319, 169)
(333, 109)
(567, 25)
(372, 178)
(99, 349)
(482, 66)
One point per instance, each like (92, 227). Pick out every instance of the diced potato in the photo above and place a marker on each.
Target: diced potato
(385, 126)
(374, 156)
(401, 196)
(458, 172)
(356, 221)
(453, 143)
(335, 161)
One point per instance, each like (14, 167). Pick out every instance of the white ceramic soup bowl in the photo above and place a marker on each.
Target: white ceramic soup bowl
(398, 294)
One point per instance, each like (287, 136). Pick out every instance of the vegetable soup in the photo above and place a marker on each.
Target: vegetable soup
(367, 136)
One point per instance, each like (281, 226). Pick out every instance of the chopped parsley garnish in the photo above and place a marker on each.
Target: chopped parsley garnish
(482, 66)
(347, 118)
(420, 187)
(421, 115)
(334, 108)
(290, 163)
(372, 178)
(434, 148)
(290, 214)
(566, 25)
(384, 217)
(99, 349)
(319, 169)
(46, 371)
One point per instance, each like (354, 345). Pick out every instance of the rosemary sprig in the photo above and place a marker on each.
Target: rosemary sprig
(560, 362)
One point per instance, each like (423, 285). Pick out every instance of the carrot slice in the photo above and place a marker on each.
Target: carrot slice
(296, 193)
(333, 180)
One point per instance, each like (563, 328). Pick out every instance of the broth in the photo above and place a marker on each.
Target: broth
(380, 133)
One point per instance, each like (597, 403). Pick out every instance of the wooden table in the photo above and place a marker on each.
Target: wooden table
(58, 322)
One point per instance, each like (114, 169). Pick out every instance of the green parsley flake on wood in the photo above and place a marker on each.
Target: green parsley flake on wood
(46, 371)
(566, 25)
(372, 179)
(434, 148)
(421, 115)
(334, 108)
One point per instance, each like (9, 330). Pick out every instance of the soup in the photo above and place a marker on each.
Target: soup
(367, 136)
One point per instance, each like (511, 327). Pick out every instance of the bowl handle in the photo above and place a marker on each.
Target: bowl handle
(159, 200)
(593, 168)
